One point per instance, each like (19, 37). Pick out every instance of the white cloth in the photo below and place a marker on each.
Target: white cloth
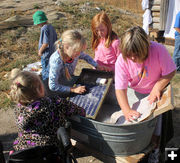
(173, 9)
(145, 4)
(34, 67)
(147, 18)
(143, 107)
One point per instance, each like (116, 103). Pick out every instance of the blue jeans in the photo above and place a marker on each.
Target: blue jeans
(45, 67)
(176, 54)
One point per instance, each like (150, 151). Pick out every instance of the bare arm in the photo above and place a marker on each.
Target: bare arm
(43, 47)
(123, 102)
(159, 86)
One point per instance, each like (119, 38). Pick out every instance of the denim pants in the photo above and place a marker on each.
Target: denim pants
(176, 54)
(45, 68)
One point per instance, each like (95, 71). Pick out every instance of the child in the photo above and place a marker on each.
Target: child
(47, 39)
(63, 63)
(176, 54)
(38, 117)
(145, 66)
(105, 42)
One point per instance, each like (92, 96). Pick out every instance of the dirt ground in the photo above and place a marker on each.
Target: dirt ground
(8, 130)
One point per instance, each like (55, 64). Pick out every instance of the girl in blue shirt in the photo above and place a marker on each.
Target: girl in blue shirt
(64, 60)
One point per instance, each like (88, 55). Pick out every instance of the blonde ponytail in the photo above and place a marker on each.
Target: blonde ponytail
(68, 76)
(61, 49)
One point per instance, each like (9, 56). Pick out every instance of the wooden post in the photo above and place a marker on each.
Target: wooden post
(163, 13)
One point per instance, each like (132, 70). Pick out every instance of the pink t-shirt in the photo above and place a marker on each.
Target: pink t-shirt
(159, 63)
(107, 56)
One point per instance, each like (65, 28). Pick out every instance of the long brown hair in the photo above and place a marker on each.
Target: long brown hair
(111, 35)
(135, 41)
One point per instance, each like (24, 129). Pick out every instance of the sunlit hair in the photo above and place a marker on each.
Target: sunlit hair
(25, 87)
(13, 73)
(75, 40)
(135, 42)
(96, 21)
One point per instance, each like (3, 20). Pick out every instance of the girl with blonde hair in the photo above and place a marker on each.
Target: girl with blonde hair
(105, 42)
(38, 117)
(64, 61)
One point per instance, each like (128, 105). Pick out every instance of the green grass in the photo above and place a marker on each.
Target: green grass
(4, 85)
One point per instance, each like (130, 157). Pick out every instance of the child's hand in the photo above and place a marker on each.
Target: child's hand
(39, 53)
(131, 115)
(103, 68)
(79, 89)
(154, 95)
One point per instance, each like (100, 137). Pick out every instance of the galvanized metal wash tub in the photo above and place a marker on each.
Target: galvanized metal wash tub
(111, 139)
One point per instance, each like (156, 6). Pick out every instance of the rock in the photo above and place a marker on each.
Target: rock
(54, 16)
(16, 21)
(64, 2)
(7, 7)
(17, 1)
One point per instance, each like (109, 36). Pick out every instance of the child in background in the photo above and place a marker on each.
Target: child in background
(63, 63)
(47, 39)
(38, 117)
(146, 67)
(176, 54)
(105, 42)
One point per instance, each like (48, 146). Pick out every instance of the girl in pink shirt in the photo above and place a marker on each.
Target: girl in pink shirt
(105, 42)
(147, 68)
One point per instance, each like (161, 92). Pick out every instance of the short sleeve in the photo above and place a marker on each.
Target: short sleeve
(46, 35)
(116, 47)
(177, 21)
(121, 75)
(166, 63)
